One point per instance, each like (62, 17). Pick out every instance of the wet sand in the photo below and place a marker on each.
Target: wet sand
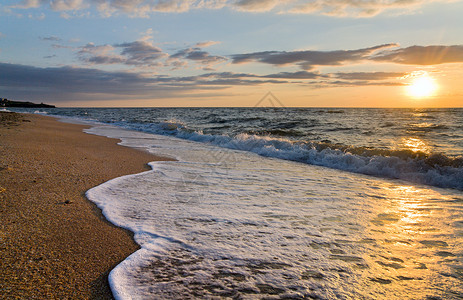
(54, 243)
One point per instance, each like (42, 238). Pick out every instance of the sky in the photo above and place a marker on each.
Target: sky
(228, 53)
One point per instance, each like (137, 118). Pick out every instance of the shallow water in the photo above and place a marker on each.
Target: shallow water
(227, 223)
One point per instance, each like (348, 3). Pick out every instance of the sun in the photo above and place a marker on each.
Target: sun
(422, 86)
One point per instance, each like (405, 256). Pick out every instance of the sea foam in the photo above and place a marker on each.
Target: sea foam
(418, 167)
(228, 223)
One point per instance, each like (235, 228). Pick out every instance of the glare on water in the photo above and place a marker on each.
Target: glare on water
(415, 144)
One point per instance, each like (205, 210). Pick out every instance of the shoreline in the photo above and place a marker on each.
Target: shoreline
(54, 241)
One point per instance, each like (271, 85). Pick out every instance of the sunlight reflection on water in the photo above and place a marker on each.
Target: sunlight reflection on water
(415, 144)
(419, 250)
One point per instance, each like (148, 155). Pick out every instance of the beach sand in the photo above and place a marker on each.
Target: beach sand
(54, 243)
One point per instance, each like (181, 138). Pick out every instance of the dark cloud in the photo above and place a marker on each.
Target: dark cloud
(203, 57)
(144, 53)
(102, 54)
(221, 78)
(237, 81)
(423, 55)
(68, 83)
(141, 53)
(68, 79)
(368, 75)
(255, 56)
(229, 75)
(106, 60)
(309, 59)
(415, 55)
(295, 75)
(281, 75)
(230, 78)
(198, 55)
(55, 85)
(138, 53)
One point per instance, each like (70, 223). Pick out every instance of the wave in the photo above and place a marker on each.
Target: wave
(277, 132)
(234, 119)
(426, 127)
(38, 112)
(388, 124)
(424, 168)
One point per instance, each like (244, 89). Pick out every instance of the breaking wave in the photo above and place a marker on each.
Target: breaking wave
(433, 169)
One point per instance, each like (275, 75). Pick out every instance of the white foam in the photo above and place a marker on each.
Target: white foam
(411, 169)
(39, 112)
(221, 222)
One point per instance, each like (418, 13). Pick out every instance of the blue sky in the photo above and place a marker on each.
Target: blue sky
(230, 53)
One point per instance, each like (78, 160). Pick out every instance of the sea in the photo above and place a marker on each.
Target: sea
(286, 203)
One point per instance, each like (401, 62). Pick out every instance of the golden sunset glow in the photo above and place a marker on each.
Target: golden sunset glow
(415, 145)
(422, 86)
(131, 55)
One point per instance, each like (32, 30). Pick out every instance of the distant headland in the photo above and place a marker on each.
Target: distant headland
(9, 103)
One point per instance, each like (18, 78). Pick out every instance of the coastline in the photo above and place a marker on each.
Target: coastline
(55, 243)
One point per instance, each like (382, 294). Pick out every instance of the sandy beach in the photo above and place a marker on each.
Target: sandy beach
(54, 242)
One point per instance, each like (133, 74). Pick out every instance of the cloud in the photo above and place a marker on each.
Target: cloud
(308, 59)
(143, 8)
(65, 5)
(82, 84)
(349, 8)
(255, 5)
(199, 56)
(369, 75)
(89, 51)
(335, 8)
(64, 83)
(237, 81)
(25, 4)
(295, 75)
(423, 55)
(147, 35)
(59, 46)
(73, 83)
(141, 53)
(39, 17)
(314, 78)
(138, 53)
(50, 38)
(20, 81)
(206, 44)
(352, 83)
